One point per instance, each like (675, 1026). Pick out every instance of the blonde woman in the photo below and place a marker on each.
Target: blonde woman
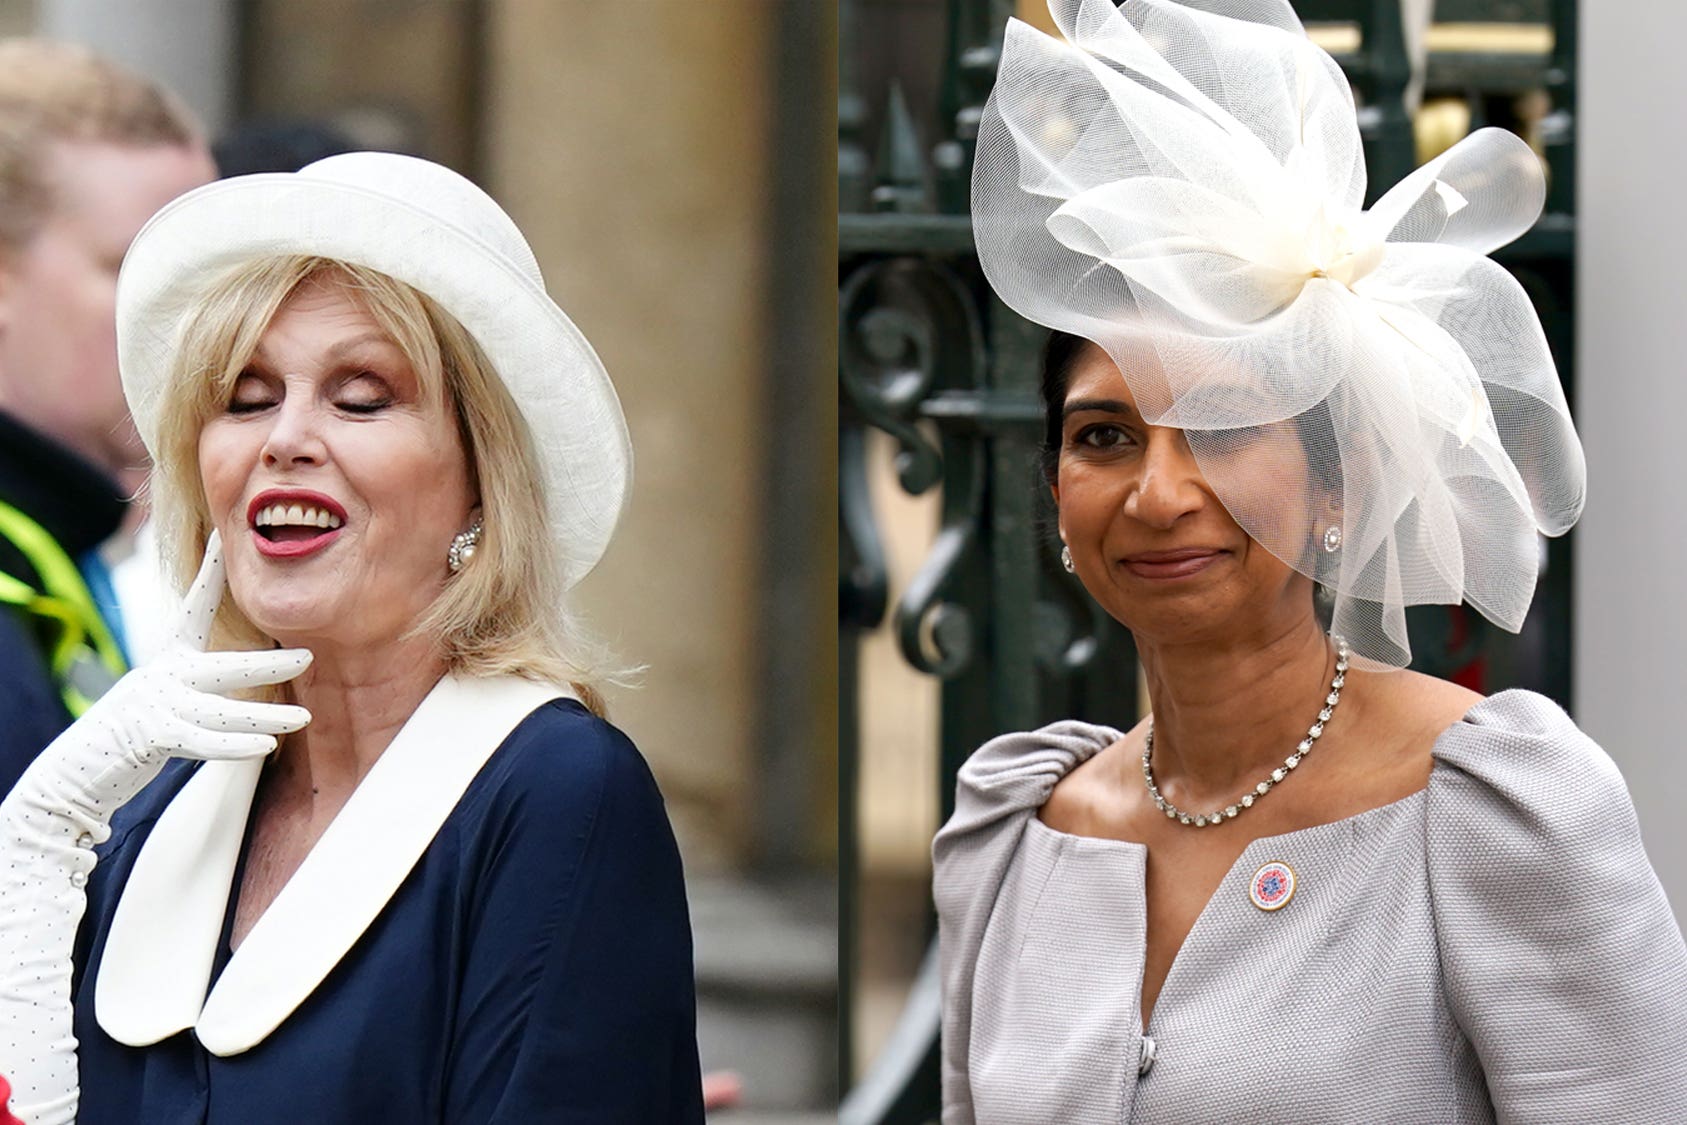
(451, 893)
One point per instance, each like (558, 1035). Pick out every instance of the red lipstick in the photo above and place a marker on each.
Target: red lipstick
(291, 540)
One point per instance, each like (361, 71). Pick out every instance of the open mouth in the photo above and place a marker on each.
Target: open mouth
(294, 523)
(290, 524)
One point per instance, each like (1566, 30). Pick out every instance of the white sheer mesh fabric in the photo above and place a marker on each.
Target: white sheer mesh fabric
(1182, 183)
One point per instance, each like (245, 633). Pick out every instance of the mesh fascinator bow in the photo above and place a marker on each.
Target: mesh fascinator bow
(1182, 183)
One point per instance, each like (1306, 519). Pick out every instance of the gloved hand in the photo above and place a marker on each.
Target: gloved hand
(62, 807)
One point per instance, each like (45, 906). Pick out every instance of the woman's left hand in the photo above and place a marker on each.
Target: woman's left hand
(62, 806)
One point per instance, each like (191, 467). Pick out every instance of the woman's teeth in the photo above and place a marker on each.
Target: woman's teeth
(296, 515)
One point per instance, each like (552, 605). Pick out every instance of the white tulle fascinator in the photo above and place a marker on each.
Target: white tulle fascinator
(1183, 184)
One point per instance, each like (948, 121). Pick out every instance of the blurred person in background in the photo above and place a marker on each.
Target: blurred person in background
(88, 151)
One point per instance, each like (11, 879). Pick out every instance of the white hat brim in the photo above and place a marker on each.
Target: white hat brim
(550, 370)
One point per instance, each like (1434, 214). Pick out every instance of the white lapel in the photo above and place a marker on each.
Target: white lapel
(164, 932)
(165, 929)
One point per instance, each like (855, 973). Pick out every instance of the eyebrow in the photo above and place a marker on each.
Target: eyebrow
(339, 350)
(1097, 405)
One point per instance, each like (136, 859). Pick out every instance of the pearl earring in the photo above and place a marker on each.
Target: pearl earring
(462, 546)
(1066, 559)
(1332, 538)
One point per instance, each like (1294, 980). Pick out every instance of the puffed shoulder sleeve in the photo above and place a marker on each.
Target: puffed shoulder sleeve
(1001, 786)
(1562, 961)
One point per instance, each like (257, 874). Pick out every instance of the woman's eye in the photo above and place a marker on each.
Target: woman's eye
(365, 393)
(1102, 436)
(250, 395)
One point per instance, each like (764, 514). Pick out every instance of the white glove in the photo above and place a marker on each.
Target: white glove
(62, 807)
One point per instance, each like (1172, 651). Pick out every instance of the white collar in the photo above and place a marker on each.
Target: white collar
(164, 932)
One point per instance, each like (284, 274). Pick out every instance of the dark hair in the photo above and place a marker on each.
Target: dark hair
(1060, 353)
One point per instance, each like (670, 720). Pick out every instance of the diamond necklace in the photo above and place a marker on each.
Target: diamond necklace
(1231, 812)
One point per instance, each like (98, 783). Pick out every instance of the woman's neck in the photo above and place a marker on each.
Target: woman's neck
(1224, 716)
(358, 699)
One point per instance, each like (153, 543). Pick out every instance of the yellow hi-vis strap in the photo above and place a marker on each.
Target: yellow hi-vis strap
(85, 657)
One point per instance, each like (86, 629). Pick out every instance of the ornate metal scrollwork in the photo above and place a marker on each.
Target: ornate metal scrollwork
(937, 636)
(1071, 628)
(863, 578)
(905, 327)
(908, 331)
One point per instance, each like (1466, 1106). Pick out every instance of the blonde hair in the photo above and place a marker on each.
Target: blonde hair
(62, 92)
(501, 614)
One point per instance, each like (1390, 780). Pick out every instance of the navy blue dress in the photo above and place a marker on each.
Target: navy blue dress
(535, 966)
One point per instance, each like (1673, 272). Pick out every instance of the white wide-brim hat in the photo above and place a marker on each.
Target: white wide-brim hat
(432, 229)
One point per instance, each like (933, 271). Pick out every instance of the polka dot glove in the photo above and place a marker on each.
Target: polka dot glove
(62, 807)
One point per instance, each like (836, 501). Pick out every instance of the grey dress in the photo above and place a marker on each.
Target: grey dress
(1494, 947)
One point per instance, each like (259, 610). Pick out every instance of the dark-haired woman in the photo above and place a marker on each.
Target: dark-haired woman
(1311, 886)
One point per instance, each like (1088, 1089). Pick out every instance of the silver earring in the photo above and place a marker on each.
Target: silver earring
(1332, 538)
(463, 545)
(1066, 559)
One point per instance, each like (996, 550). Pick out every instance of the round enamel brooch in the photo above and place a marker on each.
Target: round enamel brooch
(1272, 886)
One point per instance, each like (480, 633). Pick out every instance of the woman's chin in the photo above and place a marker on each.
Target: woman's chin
(291, 613)
(301, 629)
(1179, 618)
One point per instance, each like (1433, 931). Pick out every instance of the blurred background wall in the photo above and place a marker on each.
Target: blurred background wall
(671, 164)
(1631, 599)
